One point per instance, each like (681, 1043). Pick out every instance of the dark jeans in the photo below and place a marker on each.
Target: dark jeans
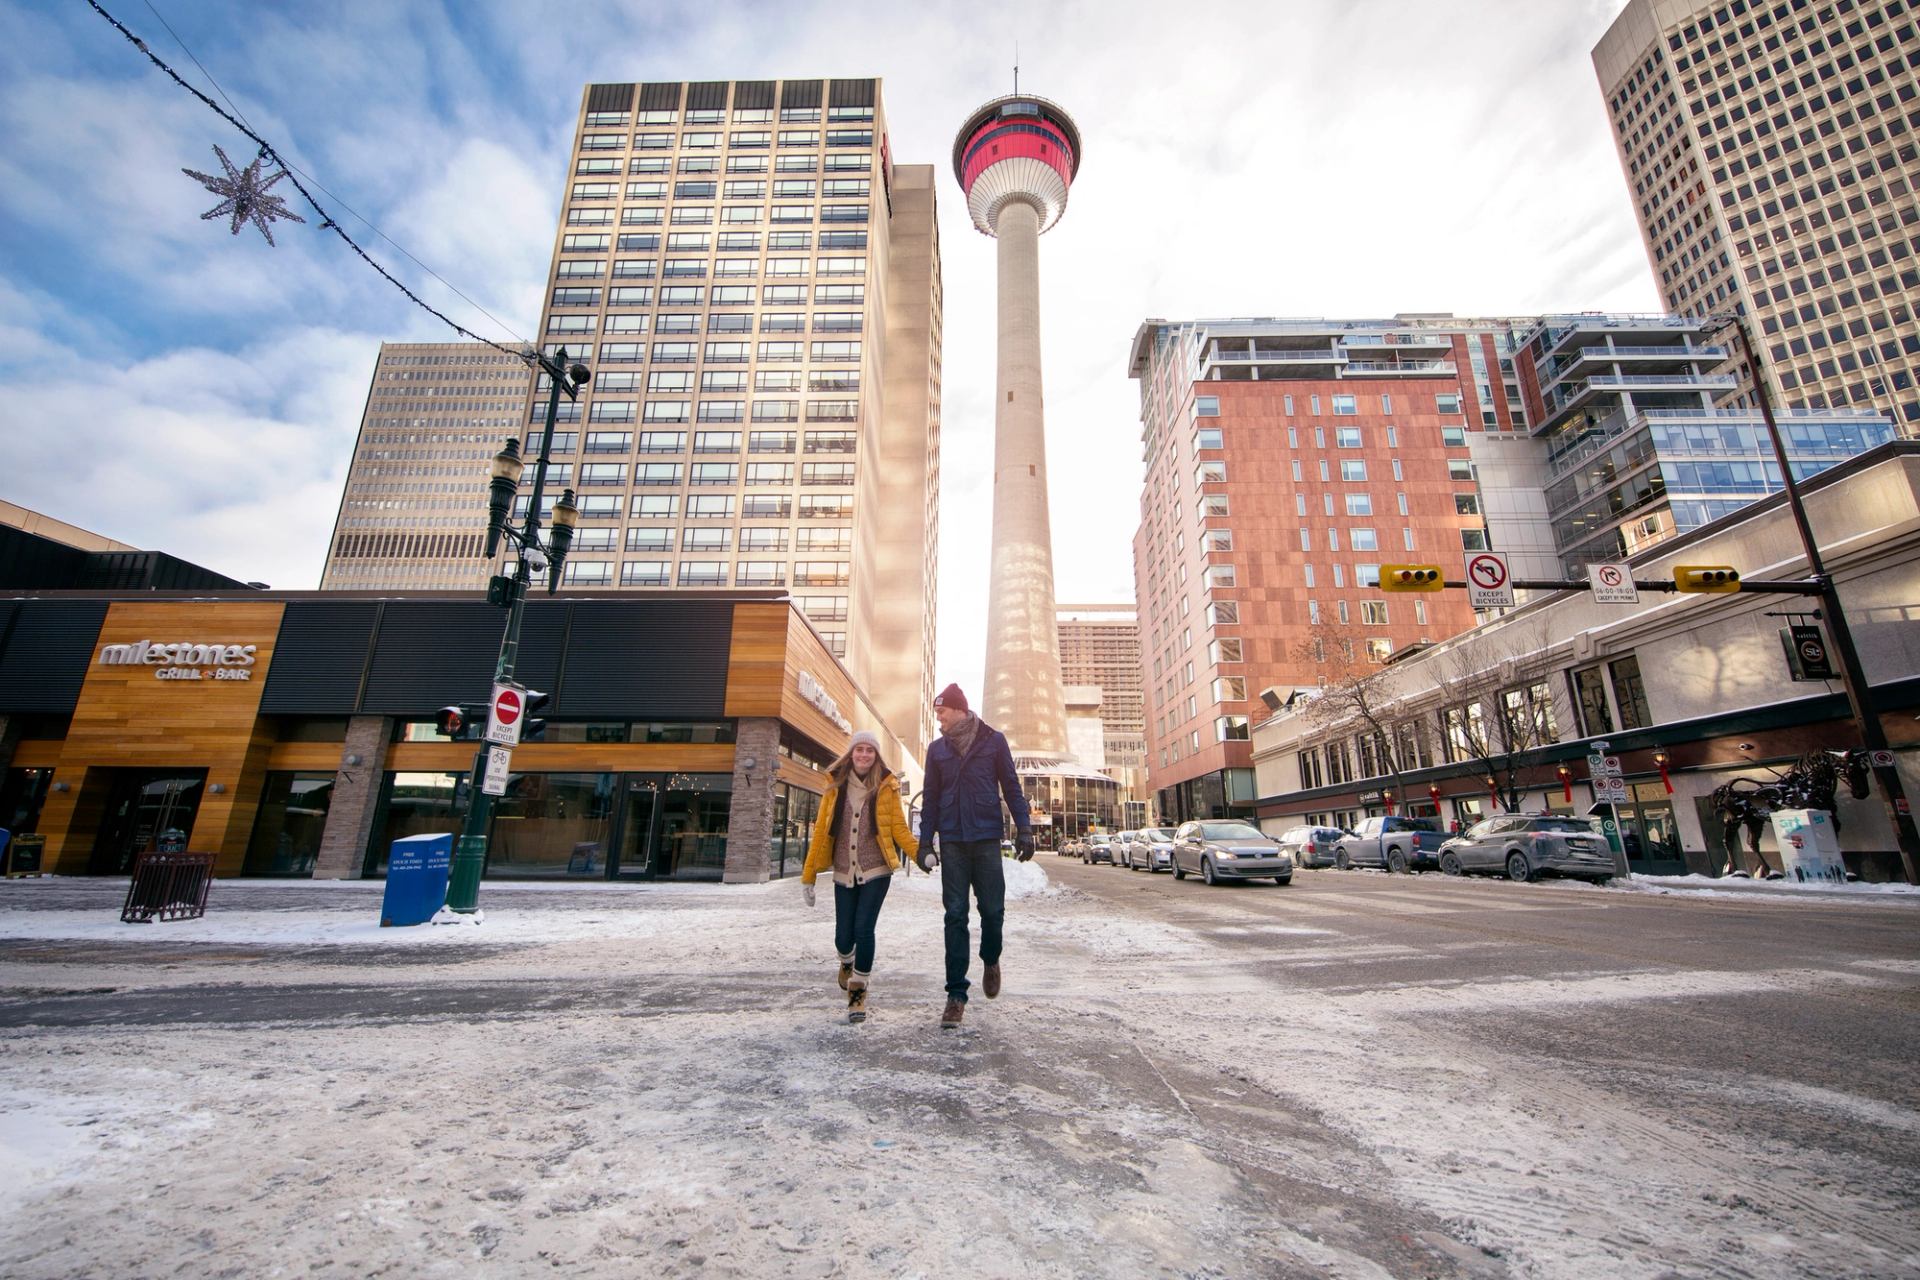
(855, 911)
(976, 864)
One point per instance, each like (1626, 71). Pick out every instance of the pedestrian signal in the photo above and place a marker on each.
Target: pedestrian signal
(456, 722)
(1410, 577)
(1706, 577)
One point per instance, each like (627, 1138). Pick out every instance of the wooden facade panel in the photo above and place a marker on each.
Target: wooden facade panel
(756, 663)
(37, 753)
(805, 653)
(305, 757)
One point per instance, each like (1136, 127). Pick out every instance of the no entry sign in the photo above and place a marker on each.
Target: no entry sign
(504, 716)
(1489, 585)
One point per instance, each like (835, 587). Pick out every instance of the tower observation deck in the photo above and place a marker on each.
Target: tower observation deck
(1016, 158)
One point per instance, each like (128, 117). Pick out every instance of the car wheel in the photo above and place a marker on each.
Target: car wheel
(1397, 861)
(1206, 871)
(1283, 880)
(1179, 872)
(1342, 862)
(1517, 867)
(1450, 863)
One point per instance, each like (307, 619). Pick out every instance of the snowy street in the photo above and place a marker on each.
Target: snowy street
(1355, 1075)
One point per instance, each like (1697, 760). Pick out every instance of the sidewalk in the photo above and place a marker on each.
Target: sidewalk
(1782, 890)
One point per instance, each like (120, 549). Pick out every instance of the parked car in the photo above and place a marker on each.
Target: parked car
(1070, 848)
(1097, 849)
(1311, 846)
(1396, 843)
(1217, 851)
(1527, 846)
(1150, 849)
(1121, 839)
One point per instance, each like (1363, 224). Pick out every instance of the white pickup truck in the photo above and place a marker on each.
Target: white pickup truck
(1398, 844)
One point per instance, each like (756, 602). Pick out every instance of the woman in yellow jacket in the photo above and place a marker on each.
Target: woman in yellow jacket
(860, 835)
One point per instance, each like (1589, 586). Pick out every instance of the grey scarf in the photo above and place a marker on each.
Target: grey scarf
(960, 735)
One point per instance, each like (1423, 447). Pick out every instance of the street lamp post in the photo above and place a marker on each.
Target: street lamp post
(1853, 677)
(531, 556)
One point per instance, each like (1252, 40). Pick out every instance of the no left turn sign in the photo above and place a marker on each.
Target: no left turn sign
(1489, 585)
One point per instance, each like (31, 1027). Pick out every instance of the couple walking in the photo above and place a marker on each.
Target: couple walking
(862, 833)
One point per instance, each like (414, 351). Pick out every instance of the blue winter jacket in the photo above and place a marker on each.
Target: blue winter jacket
(960, 796)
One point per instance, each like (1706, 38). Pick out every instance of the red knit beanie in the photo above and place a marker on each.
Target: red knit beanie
(951, 697)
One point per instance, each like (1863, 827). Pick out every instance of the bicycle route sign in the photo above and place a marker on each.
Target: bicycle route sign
(1489, 585)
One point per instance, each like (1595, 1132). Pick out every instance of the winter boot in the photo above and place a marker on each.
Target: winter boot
(846, 971)
(990, 981)
(955, 1011)
(857, 998)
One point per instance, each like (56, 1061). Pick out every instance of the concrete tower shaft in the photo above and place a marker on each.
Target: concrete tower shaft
(1016, 158)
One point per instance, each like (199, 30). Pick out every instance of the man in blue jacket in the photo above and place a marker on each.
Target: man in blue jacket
(969, 771)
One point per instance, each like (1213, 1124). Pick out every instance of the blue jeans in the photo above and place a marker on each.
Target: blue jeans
(856, 909)
(972, 864)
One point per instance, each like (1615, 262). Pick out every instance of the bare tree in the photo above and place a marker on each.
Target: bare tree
(1354, 694)
(1499, 707)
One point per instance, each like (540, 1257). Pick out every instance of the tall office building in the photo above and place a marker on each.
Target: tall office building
(1286, 460)
(1770, 149)
(1100, 651)
(755, 285)
(1015, 158)
(413, 512)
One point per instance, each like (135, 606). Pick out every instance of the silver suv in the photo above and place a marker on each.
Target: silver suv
(1529, 846)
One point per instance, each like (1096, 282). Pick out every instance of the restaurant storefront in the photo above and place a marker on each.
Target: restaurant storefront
(294, 735)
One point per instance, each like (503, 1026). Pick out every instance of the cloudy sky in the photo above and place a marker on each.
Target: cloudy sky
(171, 386)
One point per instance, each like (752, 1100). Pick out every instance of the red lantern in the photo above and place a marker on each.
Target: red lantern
(1566, 782)
(1388, 797)
(1660, 762)
(1493, 789)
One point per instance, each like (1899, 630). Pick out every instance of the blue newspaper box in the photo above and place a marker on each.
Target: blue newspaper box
(417, 870)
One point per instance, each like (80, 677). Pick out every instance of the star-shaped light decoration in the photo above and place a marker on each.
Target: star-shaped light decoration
(246, 196)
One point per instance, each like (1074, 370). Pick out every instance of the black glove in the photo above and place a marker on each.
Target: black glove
(1023, 844)
(927, 860)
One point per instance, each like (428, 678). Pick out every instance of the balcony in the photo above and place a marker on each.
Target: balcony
(1325, 355)
(1410, 368)
(1426, 341)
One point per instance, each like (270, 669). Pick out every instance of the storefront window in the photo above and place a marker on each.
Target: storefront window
(552, 824)
(286, 831)
(693, 826)
(794, 812)
(21, 795)
(416, 804)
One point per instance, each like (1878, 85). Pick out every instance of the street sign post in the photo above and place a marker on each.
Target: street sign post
(495, 782)
(1612, 584)
(505, 715)
(1609, 785)
(1489, 584)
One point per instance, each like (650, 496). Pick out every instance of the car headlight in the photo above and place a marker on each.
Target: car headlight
(1221, 853)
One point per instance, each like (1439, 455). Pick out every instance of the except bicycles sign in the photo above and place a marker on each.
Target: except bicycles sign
(1612, 584)
(1489, 585)
(504, 718)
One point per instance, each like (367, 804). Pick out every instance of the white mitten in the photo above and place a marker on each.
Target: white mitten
(806, 891)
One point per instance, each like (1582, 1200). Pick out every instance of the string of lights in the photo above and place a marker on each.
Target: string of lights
(327, 221)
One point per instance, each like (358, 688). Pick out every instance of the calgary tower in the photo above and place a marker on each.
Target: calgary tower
(1016, 158)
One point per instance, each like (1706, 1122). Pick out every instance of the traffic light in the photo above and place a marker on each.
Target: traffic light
(460, 722)
(1411, 577)
(531, 728)
(1706, 577)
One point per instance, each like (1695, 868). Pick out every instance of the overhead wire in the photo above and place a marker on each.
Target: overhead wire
(328, 221)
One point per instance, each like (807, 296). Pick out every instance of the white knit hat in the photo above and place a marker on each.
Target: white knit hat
(867, 736)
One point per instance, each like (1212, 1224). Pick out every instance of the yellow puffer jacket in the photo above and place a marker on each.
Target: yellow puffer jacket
(888, 816)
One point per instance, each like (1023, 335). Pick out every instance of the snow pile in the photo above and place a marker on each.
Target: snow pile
(1739, 885)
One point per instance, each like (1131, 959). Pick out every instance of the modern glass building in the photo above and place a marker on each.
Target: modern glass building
(1636, 449)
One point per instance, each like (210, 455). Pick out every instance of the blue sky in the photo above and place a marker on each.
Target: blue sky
(169, 385)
